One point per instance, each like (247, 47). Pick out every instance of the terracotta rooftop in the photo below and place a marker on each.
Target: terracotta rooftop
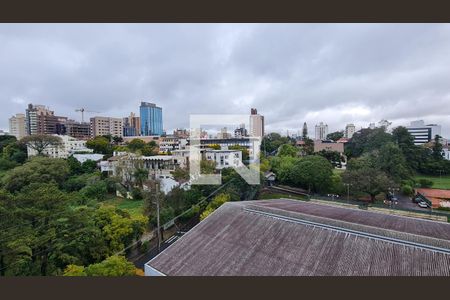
(436, 196)
(291, 237)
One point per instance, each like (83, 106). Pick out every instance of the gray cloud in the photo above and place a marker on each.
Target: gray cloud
(335, 73)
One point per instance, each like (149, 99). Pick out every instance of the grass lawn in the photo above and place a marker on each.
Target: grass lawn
(268, 195)
(438, 182)
(133, 207)
(338, 171)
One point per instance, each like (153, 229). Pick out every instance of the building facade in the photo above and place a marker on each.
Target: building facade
(320, 145)
(132, 125)
(17, 126)
(256, 124)
(350, 130)
(106, 126)
(42, 120)
(240, 132)
(422, 133)
(321, 131)
(78, 130)
(151, 119)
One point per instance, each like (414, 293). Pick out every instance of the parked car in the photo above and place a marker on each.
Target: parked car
(418, 200)
(423, 204)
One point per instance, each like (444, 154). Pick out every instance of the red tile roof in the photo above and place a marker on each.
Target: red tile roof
(436, 196)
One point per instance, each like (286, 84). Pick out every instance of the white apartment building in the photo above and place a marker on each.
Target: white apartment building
(68, 147)
(350, 130)
(224, 158)
(106, 125)
(17, 126)
(422, 133)
(321, 131)
(171, 143)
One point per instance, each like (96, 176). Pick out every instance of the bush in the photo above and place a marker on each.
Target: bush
(96, 190)
(425, 183)
(136, 194)
(144, 247)
(407, 190)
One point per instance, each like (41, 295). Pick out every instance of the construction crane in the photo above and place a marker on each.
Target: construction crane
(82, 110)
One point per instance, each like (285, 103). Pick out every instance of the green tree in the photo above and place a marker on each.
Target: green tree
(313, 173)
(390, 160)
(365, 178)
(112, 266)
(140, 175)
(6, 140)
(16, 152)
(367, 140)
(271, 142)
(437, 148)
(287, 150)
(100, 144)
(136, 144)
(335, 135)
(215, 204)
(40, 142)
(36, 170)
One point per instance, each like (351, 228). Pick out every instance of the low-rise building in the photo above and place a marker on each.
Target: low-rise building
(171, 143)
(328, 146)
(281, 237)
(422, 133)
(224, 158)
(68, 146)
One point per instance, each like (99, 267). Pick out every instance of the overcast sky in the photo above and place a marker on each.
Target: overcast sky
(292, 73)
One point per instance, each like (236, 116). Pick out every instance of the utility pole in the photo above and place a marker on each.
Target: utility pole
(157, 216)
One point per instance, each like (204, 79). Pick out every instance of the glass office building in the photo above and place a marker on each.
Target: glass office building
(151, 119)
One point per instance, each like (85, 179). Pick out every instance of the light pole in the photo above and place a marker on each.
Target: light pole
(348, 191)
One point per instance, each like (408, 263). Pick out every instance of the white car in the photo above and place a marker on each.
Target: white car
(423, 204)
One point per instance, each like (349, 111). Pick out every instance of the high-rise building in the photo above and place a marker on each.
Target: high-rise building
(106, 126)
(240, 132)
(151, 119)
(422, 133)
(350, 130)
(224, 134)
(41, 120)
(132, 125)
(256, 124)
(181, 133)
(305, 131)
(17, 126)
(321, 131)
(78, 130)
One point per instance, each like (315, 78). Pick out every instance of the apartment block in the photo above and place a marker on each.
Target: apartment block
(106, 126)
(17, 126)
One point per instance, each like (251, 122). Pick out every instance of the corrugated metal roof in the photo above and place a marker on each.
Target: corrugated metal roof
(289, 237)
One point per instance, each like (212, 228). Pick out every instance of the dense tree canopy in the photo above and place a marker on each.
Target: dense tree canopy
(36, 170)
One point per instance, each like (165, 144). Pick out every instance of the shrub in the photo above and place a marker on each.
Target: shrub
(136, 194)
(425, 183)
(407, 190)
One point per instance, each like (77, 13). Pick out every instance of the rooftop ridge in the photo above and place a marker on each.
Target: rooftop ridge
(383, 233)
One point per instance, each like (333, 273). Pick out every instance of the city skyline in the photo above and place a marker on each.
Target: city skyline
(292, 73)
